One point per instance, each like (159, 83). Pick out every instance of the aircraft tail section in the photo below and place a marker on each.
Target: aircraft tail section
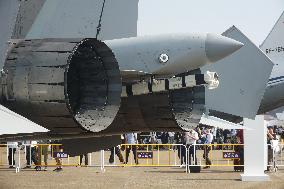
(243, 78)
(273, 45)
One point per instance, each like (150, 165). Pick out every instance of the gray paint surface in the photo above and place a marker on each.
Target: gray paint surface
(79, 19)
(8, 14)
(27, 14)
(243, 77)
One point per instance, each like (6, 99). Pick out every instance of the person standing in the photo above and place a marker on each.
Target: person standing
(57, 147)
(181, 148)
(131, 138)
(270, 136)
(207, 147)
(171, 139)
(86, 159)
(117, 150)
(12, 146)
(30, 153)
(190, 140)
(43, 151)
(220, 137)
(240, 148)
(153, 138)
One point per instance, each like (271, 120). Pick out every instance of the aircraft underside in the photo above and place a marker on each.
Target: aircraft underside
(73, 87)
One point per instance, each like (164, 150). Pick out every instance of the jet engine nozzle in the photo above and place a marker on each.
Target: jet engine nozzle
(65, 85)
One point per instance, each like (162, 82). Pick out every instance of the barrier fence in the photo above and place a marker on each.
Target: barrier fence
(139, 155)
(150, 154)
(216, 155)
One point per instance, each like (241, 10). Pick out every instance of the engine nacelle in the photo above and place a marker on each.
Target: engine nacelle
(65, 85)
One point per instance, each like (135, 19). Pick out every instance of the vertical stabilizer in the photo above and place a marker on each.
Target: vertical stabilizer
(273, 45)
(79, 19)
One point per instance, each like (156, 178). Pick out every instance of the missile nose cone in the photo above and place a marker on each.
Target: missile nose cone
(218, 47)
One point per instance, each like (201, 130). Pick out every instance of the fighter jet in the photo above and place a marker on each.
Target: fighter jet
(70, 79)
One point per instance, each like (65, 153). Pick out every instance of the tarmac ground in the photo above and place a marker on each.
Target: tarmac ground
(133, 177)
(130, 177)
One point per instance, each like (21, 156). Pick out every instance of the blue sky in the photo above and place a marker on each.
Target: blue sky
(255, 18)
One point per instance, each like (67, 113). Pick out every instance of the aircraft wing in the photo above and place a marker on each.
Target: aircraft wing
(12, 123)
(220, 123)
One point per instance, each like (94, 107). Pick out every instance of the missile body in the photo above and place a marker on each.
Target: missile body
(168, 55)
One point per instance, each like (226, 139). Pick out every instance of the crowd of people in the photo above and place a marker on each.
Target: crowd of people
(37, 151)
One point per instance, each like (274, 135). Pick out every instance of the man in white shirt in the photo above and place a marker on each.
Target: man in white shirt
(12, 146)
(207, 148)
(190, 139)
(131, 138)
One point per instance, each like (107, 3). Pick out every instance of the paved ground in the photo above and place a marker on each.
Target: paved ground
(132, 177)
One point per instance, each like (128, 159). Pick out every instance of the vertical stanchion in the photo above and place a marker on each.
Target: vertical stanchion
(7, 153)
(40, 154)
(13, 157)
(30, 156)
(90, 159)
(175, 156)
(125, 146)
(281, 152)
(211, 154)
(217, 147)
(169, 154)
(131, 154)
(180, 153)
(186, 159)
(152, 148)
(19, 164)
(158, 154)
(102, 161)
(114, 153)
(51, 151)
(147, 148)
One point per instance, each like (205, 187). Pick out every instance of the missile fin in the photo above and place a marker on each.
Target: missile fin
(243, 78)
